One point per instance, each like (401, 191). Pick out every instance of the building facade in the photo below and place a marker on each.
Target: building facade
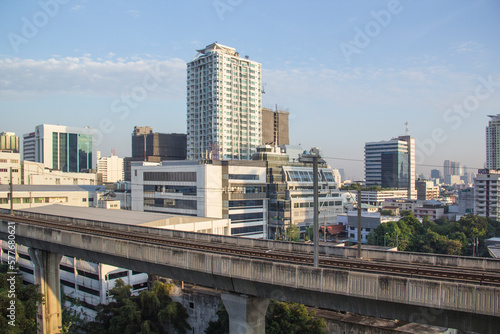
(68, 149)
(275, 127)
(111, 168)
(224, 114)
(290, 192)
(391, 164)
(10, 163)
(9, 142)
(205, 188)
(486, 188)
(427, 190)
(154, 147)
(493, 142)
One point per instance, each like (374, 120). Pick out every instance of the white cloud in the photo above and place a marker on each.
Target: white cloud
(28, 78)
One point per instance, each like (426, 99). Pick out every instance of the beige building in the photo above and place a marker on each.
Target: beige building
(426, 190)
(9, 142)
(35, 173)
(25, 197)
(10, 161)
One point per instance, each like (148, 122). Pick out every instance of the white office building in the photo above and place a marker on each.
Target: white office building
(493, 142)
(111, 168)
(10, 163)
(207, 188)
(223, 105)
(64, 148)
(391, 164)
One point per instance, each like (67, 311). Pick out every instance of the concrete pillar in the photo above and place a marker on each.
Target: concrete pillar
(49, 317)
(247, 314)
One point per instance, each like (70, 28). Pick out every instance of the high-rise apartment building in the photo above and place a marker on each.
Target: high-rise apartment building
(223, 105)
(493, 142)
(64, 148)
(391, 164)
(111, 168)
(275, 127)
(486, 188)
(9, 142)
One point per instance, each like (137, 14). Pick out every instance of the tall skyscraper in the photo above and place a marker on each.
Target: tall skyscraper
(64, 148)
(493, 142)
(391, 164)
(223, 105)
(275, 127)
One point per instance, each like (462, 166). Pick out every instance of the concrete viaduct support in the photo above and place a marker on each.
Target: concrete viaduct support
(247, 314)
(47, 277)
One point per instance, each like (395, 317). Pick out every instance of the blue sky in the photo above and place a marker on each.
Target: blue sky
(349, 72)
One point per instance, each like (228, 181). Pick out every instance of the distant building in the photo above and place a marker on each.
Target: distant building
(435, 174)
(493, 142)
(155, 147)
(426, 190)
(224, 113)
(466, 201)
(391, 164)
(111, 168)
(68, 149)
(9, 142)
(275, 127)
(486, 188)
(433, 209)
(376, 198)
(453, 168)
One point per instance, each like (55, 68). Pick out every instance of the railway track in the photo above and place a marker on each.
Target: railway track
(462, 275)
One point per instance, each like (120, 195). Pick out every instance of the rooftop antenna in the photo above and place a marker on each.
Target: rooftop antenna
(406, 129)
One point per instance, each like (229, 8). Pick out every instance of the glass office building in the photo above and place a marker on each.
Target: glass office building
(63, 148)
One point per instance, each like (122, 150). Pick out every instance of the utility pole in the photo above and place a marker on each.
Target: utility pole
(314, 157)
(11, 193)
(316, 209)
(359, 223)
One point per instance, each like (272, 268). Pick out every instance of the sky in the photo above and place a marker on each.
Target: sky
(349, 72)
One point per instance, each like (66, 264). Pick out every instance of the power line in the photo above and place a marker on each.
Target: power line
(424, 165)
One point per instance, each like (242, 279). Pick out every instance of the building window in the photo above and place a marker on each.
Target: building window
(247, 229)
(243, 177)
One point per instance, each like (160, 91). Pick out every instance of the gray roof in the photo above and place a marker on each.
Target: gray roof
(115, 216)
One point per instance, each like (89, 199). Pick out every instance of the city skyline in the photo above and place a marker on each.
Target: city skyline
(349, 73)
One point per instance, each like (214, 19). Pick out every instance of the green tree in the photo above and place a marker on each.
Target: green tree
(23, 299)
(281, 318)
(293, 233)
(309, 235)
(149, 312)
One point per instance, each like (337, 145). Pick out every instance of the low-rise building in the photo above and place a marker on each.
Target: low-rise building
(232, 189)
(426, 190)
(32, 196)
(10, 164)
(433, 209)
(377, 197)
